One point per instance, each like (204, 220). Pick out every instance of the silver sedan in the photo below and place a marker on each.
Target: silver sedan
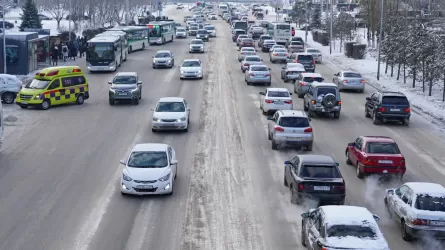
(349, 80)
(258, 74)
(278, 54)
(163, 59)
(246, 51)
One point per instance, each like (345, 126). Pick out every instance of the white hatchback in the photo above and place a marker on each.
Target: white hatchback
(149, 169)
(275, 99)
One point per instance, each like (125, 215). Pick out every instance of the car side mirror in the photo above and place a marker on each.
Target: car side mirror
(337, 164)
(270, 118)
(306, 215)
(351, 144)
(173, 162)
(283, 67)
(262, 93)
(368, 98)
(287, 162)
(270, 69)
(110, 82)
(123, 162)
(376, 218)
(290, 93)
(390, 191)
(139, 82)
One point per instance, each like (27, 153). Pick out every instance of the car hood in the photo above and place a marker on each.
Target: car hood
(196, 45)
(162, 59)
(168, 115)
(180, 32)
(202, 35)
(146, 174)
(190, 69)
(12, 86)
(123, 86)
(355, 243)
(31, 91)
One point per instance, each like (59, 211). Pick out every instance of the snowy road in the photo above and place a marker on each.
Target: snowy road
(60, 168)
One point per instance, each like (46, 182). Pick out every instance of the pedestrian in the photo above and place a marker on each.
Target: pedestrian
(64, 52)
(73, 52)
(267, 11)
(54, 55)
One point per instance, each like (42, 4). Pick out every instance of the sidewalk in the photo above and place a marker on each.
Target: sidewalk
(430, 107)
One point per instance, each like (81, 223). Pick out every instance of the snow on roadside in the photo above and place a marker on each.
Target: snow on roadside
(430, 107)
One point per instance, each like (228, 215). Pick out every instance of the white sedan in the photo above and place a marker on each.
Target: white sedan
(171, 113)
(275, 99)
(149, 169)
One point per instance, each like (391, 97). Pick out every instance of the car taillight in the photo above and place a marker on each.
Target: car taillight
(407, 110)
(296, 61)
(313, 61)
(308, 130)
(313, 101)
(268, 101)
(345, 81)
(267, 74)
(279, 129)
(254, 53)
(246, 64)
(362, 81)
(402, 162)
(381, 110)
(339, 103)
(251, 74)
(368, 161)
(300, 187)
(285, 55)
(275, 54)
(242, 53)
(288, 102)
(302, 84)
(419, 222)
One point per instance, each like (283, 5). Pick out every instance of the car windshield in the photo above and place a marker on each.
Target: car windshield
(180, 30)
(193, 27)
(353, 75)
(266, 37)
(210, 28)
(356, 231)
(312, 79)
(325, 91)
(204, 32)
(395, 100)
(278, 94)
(295, 43)
(319, 171)
(294, 122)
(240, 32)
(312, 50)
(259, 69)
(305, 58)
(162, 55)
(253, 59)
(125, 80)
(37, 84)
(196, 42)
(151, 159)
(191, 64)
(430, 203)
(170, 107)
(382, 148)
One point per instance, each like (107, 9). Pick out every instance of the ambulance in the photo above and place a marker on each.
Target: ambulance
(54, 86)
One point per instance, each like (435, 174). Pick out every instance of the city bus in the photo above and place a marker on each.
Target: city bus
(280, 32)
(123, 37)
(222, 7)
(104, 53)
(137, 37)
(161, 32)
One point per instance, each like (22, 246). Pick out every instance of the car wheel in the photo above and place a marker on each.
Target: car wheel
(154, 130)
(348, 160)
(337, 115)
(359, 172)
(46, 104)
(305, 107)
(186, 129)
(285, 79)
(303, 235)
(274, 145)
(285, 182)
(367, 115)
(80, 99)
(405, 235)
(154, 66)
(143, 45)
(8, 97)
(23, 106)
(269, 136)
(405, 122)
(375, 120)
(136, 101)
(309, 147)
(111, 101)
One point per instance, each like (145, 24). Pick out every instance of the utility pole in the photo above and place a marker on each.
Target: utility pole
(380, 39)
(69, 21)
(330, 33)
(127, 15)
(307, 21)
(4, 39)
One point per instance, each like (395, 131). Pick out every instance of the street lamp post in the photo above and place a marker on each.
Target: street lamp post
(380, 39)
(69, 21)
(307, 21)
(330, 28)
(4, 39)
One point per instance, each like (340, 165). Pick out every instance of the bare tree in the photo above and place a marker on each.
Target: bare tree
(56, 9)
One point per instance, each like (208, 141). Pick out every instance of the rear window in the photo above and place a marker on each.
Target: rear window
(354, 75)
(296, 43)
(312, 79)
(382, 148)
(396, 100)
(249, 40)
(319, 171)
(430, 203)
(259, 69)
(358, 231)
(240, 32)
(305, 57)
(241, 25)
(202, 32)
(278, 94)
(248, 49)
(294, 122)
(253, 59)
(313, 51)
(325, 91)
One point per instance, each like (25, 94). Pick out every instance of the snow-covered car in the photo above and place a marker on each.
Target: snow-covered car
(10, 86)
(341, 227)
(149, 169)
(419, 208)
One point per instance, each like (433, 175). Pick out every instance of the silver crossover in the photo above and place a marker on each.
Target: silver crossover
(125, 86)
(163, 59)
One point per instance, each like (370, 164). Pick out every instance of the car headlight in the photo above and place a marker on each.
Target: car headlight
(135, 89)
(156, 119)
(199, 71)
(169, 61)
(126, 177)
(154, 61)
(165, 177)
(37, 97)
(112, 89)
(182, 71)
(182, 119)
(111, 64)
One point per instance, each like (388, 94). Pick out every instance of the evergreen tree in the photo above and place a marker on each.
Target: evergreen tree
(30, 16)
(316, 19)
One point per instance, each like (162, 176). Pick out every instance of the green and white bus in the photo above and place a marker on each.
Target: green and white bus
(161, 32)
(137, 36)
(123, 37)
(280, 32)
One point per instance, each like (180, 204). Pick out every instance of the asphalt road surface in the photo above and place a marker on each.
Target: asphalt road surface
(60, 172)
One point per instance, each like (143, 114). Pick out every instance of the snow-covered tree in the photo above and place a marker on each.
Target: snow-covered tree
(30, 16)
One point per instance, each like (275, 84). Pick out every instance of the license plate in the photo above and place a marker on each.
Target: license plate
(282, 54)
(145, 186)
(122, 93)
(24, 102)
(385, 161)
(279, 102)
(394, 110)
(294, 138)
(385, 171)
(437, 223)
(322, 188)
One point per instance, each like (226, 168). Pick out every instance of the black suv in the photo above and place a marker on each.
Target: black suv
(315, 177)
(386, 106)
(304, 58)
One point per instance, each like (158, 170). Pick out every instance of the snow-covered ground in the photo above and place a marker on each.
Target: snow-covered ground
(432, 107)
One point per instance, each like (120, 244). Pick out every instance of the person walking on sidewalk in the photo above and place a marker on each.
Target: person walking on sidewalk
(54, 55)
(64, 52)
